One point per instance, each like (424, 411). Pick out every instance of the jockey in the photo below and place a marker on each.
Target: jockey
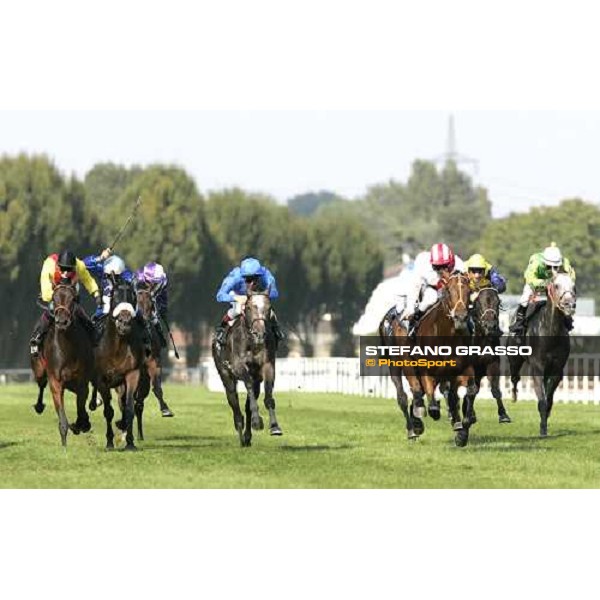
(154, 276)
(233, 290)
(483, 275)
(101, 266)
(57, 268)
(539, 273)
(430, 278)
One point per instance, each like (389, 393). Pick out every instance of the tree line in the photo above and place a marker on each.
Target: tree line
(326, 251)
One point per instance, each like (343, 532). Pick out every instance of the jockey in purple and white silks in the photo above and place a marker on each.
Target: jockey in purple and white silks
(155, 277)
(234, 288)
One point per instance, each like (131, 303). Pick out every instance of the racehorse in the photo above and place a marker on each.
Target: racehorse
(249, 356)
(447, 319)
(66, 361)
(548, 337)
(146, 305)
(119, 358)
(486, 310)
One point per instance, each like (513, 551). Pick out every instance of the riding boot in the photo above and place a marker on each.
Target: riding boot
(388, 320)
(569, 322)
(87, 324)
(518, 327)
(414, 323)
(37, 337)
(161, 334)
(221, 332)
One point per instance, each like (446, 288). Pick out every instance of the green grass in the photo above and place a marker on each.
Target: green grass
(330, 441)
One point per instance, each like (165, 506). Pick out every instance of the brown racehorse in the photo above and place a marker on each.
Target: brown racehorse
(119, 358)
(66, 361)
(151, 375)
(249, 356)
(446, 323)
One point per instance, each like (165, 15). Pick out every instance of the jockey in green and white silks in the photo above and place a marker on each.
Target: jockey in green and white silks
(540, 270)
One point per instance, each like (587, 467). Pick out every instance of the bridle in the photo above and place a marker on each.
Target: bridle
(481, 315)
(452, 311)
(63, 307)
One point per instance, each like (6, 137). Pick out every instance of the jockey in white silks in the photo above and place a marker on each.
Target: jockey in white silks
(422, 290)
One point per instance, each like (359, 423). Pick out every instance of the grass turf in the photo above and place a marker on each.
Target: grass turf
(330, 441)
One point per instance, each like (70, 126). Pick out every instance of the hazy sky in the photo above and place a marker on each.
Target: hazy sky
(524, 158)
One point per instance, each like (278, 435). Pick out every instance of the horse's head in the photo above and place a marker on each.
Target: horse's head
(257, 312)
(561, 292)
(64, 297)
(487, 309)
(145, 300)
(456, 298)
(122, 304)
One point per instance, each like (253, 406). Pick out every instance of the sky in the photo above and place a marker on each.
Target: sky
(524, 158)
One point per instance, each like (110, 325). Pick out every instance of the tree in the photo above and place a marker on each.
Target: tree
(307, 204)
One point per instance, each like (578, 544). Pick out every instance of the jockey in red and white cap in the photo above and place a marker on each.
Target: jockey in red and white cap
(430, 277)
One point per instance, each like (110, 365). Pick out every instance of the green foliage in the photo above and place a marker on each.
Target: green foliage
(574, 225)
(307, 204)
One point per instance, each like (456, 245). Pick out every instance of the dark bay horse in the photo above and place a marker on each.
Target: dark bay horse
(249, 356)
(486, 313)
(445, 322)
(66, 361)
(548, 336)
(146, 306)
(119, 358)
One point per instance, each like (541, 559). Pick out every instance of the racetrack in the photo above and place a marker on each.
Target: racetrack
(330, 441)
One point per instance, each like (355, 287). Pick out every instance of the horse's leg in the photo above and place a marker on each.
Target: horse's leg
(540, 392)
(473, 385)
(493, 374)
(58, 396)
(94, 402)
(552, 383)
(402, 400)
(417, 406)
(248, 429)
(132, 380)
(433, 406)
(82, 425)
(39, 406)
(234, 402)
(256, 420)
(515, 364)
(268, 374)
(109, 413)
(139, 413)
(155, 374)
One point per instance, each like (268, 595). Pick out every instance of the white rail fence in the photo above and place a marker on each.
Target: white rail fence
(581, 382)
(342, 375)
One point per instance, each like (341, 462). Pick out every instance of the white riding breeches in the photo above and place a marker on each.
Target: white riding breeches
(429, 298)
(527, 293)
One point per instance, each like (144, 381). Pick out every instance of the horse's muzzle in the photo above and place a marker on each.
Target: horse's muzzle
(124, 323)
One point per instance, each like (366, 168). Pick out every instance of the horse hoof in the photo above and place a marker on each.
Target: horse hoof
(109, 446)
(514, 396)
(461, 438)
(504, 419)
(543, 433)
(130, 448)
(39, 408)
(418, 426)
(246, 443)
(166, 412)
(75, 429)
(434, 412)
(419, 412)
(412, 435)
(258, 424)
(275, 431)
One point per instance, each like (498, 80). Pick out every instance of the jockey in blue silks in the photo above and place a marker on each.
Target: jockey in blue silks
(234, 290)
(100, 267)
